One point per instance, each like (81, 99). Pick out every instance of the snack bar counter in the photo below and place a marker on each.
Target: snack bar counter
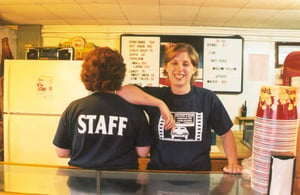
(31, 179)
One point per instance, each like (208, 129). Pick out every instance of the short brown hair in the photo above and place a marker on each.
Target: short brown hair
(174, 49)
(103, 70)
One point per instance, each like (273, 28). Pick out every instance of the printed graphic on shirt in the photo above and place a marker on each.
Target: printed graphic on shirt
(189, 126)
(93, 124)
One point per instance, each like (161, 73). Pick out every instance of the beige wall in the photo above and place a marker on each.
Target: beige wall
(259, 48)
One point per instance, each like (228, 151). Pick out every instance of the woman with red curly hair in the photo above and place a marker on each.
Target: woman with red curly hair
(101, 130)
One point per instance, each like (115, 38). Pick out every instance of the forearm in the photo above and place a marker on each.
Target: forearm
(143, 151)
(137, 96)
(230, 147)
(62, 153)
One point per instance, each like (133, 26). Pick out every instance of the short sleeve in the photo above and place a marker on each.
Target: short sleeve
(220, 120)
(62, 137)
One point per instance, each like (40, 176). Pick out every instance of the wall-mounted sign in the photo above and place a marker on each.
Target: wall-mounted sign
(220, 60)
(223, 64)
(141, 55)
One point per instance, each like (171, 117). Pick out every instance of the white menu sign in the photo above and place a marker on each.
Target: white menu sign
(141, 55)
(222, 64)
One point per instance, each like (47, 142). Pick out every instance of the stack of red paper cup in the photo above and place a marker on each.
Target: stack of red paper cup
(275, 130)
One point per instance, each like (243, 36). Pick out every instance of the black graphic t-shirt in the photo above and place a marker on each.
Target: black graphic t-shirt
(187, 146)
(102, 131)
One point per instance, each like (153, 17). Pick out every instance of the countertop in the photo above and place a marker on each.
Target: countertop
(217, 153)
(30, 179)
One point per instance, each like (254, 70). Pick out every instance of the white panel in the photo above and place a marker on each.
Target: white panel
(28, 139)
(41, 86)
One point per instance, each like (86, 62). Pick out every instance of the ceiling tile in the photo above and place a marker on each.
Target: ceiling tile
(31, 2)
(81, 22)
(104, 11)
(286, 16)
(112, 22)
(225, 3)
(92, 1)
(216, 16)
(15, 2)
(25, 13)
(173, 13)
(67, 11)
(136, 14)
(181, 2)
(49, 22)
(294, 6)
(144, 22)
(250, 17)
(138, 2)
(268, 4)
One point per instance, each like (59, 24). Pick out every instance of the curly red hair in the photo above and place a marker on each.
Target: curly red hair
(103, 70)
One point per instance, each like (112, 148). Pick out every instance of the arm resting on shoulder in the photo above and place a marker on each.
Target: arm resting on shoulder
(229, 145)
(137, 96)
(143, 151)
(62, 153)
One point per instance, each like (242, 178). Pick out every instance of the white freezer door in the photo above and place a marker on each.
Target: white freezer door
(28, 139)
(41, 86)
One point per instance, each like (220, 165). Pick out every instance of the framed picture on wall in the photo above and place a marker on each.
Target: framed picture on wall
(282, 49)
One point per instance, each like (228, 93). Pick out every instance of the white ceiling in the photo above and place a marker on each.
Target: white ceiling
(267, 14)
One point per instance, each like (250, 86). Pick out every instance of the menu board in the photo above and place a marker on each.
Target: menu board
(220, 60)
(141, 55)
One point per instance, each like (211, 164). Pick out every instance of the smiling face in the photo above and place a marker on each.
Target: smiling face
(180, 65)
(180, 71)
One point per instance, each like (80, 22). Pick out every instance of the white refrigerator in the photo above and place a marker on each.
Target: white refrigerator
(36, 92)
